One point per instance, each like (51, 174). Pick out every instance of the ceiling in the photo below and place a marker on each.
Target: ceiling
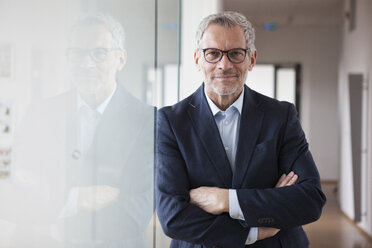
(289, 13)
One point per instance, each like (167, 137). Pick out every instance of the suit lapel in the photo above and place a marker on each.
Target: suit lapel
(206, 128)
(250, 126)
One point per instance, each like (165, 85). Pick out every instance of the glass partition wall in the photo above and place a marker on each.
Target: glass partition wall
(79, 84)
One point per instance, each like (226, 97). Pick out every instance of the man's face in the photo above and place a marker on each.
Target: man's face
(224, 77)
(94, 59)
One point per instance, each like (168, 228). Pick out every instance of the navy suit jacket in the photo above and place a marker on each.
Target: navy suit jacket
(190, 154)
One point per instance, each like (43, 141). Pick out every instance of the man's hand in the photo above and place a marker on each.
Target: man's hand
(211, 199)
(287, 180)
(284, 180)
(93, 198)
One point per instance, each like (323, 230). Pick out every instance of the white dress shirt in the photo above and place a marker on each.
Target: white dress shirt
(228, 123)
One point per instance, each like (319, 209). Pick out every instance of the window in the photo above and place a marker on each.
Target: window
(278, 81)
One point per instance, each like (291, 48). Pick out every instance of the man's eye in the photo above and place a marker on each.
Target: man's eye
(236, 54)
(213, 54)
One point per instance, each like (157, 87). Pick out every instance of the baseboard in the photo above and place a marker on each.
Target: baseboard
(330, 182)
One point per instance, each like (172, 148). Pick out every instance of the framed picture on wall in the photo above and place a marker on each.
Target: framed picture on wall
(5, 161)
(6, 113)
(6, 130)
(6, 58)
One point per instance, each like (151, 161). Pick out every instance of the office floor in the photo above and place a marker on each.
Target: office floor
(333, 229)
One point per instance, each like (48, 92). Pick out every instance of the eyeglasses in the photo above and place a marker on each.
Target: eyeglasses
(214, 55)
(98, 55)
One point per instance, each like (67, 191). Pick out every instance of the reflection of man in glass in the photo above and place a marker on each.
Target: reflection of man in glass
(96, 53)
(93, 180)
(120, 156)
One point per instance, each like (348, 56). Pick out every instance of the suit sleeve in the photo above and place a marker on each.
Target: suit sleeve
(289, 206)
(180, 219)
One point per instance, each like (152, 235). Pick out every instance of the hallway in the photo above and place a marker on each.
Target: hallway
(333, 229)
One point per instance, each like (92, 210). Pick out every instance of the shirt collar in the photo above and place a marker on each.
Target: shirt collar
(101, 108)
(238, 104)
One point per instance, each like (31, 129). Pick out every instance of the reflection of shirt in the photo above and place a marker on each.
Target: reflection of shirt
(88, 119)
(70, 207)
(228, 123)
(101, 108)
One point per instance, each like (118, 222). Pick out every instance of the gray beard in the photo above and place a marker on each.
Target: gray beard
(224, 93)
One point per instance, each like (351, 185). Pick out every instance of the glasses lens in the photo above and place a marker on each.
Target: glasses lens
(236, 55)
(212, 55)
(98, 54)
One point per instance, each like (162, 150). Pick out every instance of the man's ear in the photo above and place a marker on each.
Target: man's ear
(253, 60)
(122, 59)
(196, 59)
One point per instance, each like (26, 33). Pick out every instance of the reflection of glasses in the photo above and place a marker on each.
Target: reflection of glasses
(98, 55)
(235, 55)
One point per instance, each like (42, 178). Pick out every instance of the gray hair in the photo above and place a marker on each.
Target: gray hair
(228, 19)
(112, 25)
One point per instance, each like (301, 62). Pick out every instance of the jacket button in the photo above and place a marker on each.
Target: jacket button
(266, 220)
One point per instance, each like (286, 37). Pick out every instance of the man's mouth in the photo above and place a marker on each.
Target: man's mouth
(225, 76)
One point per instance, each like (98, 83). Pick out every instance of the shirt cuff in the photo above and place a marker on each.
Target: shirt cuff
(234, 208)
(252, 236)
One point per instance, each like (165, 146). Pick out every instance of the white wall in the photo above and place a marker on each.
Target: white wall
(356, 58)
(317, 50)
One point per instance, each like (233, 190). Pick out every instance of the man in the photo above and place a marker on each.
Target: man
(228, 157)
(91, 169)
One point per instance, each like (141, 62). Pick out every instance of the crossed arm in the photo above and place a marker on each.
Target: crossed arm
(215, 201)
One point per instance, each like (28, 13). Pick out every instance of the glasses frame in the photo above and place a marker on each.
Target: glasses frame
(90, 52)
(227, 54)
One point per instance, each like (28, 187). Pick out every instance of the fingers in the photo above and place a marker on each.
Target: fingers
(293, 180)
(280, 181)
(287, 180)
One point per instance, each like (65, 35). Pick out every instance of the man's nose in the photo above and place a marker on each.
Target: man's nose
(224, 63)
